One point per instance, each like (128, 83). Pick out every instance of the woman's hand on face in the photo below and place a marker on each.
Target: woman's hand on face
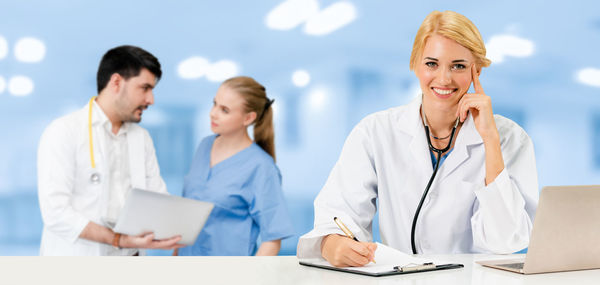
(480, 106)
(342, 251)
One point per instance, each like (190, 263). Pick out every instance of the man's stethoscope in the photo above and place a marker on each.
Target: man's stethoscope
(437, 165)
(95, 177)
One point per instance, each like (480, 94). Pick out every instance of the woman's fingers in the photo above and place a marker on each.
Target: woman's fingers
(373, 247)
(472, 100)
(476, 82)
(342, 251)
(360, 248)
(480, 106)
(355, 259)
(478, 102)
(464, 106)
(360, 253)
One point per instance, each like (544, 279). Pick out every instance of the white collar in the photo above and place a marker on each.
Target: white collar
(100, 118)
(411, 123)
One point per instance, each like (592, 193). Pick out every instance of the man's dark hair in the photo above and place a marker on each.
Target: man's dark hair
(128, 62)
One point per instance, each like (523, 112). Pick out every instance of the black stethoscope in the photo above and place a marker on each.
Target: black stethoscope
(437, 165)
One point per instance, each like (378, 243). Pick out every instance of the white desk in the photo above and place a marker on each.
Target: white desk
(251, 270)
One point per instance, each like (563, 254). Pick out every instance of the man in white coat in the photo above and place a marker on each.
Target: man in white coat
(88, 160)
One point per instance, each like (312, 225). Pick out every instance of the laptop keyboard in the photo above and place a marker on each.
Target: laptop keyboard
(518, 265)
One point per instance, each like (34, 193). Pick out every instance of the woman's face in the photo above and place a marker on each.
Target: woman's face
(444, 72)
(228, 114)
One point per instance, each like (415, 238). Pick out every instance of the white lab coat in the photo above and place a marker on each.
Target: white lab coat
(386, 159)
(68, 200)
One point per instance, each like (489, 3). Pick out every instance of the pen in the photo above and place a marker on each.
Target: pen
(346, 230)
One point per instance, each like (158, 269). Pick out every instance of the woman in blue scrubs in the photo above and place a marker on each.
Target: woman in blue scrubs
(239, 176)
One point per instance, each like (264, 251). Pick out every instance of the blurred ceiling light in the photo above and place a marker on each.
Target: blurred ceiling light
(501, 46)
(291, 13)
(332, 18)
(2, 84)
(222, 70)
(3, 47)
(317, 99)
(589, 76)
(300, 78)
(20, 85)
(30, 50)
(193, 67)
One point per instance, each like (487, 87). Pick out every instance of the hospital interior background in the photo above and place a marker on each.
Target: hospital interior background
(327, 63)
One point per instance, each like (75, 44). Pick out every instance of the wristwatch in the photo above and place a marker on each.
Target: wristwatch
(116, 240)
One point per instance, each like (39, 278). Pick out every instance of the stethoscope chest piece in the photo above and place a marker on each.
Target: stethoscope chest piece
(95, 178)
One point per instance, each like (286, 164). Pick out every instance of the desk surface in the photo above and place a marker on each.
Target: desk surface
(252, 270)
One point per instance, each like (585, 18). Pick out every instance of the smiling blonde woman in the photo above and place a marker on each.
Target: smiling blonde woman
(485, 193)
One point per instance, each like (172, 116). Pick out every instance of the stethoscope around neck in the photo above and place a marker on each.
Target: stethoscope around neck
(437, 165)
(95, 177)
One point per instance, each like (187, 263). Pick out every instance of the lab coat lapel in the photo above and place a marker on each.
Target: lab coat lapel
(135, 148)
(99, 137)
(420, 150)
(412, 124)
(468, 136)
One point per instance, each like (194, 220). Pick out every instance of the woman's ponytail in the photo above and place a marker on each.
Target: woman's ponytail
(264, 135)
(256, 99)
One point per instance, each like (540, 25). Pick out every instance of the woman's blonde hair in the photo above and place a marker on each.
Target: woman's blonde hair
(255, 97)
(453, 26)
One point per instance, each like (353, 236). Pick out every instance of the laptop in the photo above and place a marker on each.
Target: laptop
(164, 215)
(566, 233)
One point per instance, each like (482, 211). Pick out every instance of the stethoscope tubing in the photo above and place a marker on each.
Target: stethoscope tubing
(437, 165)
(95, 177)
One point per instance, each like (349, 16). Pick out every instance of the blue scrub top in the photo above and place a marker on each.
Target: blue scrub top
(246, 191)
(434, 159)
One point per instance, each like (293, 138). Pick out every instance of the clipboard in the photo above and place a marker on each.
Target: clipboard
(396, 271)
(389, 262)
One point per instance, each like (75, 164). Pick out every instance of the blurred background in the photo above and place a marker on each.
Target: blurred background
(328, 63)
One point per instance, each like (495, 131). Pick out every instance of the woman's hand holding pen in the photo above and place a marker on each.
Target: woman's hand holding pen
(342, 251)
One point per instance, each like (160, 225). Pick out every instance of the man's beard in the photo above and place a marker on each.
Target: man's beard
(126, 115)
(133, 118)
